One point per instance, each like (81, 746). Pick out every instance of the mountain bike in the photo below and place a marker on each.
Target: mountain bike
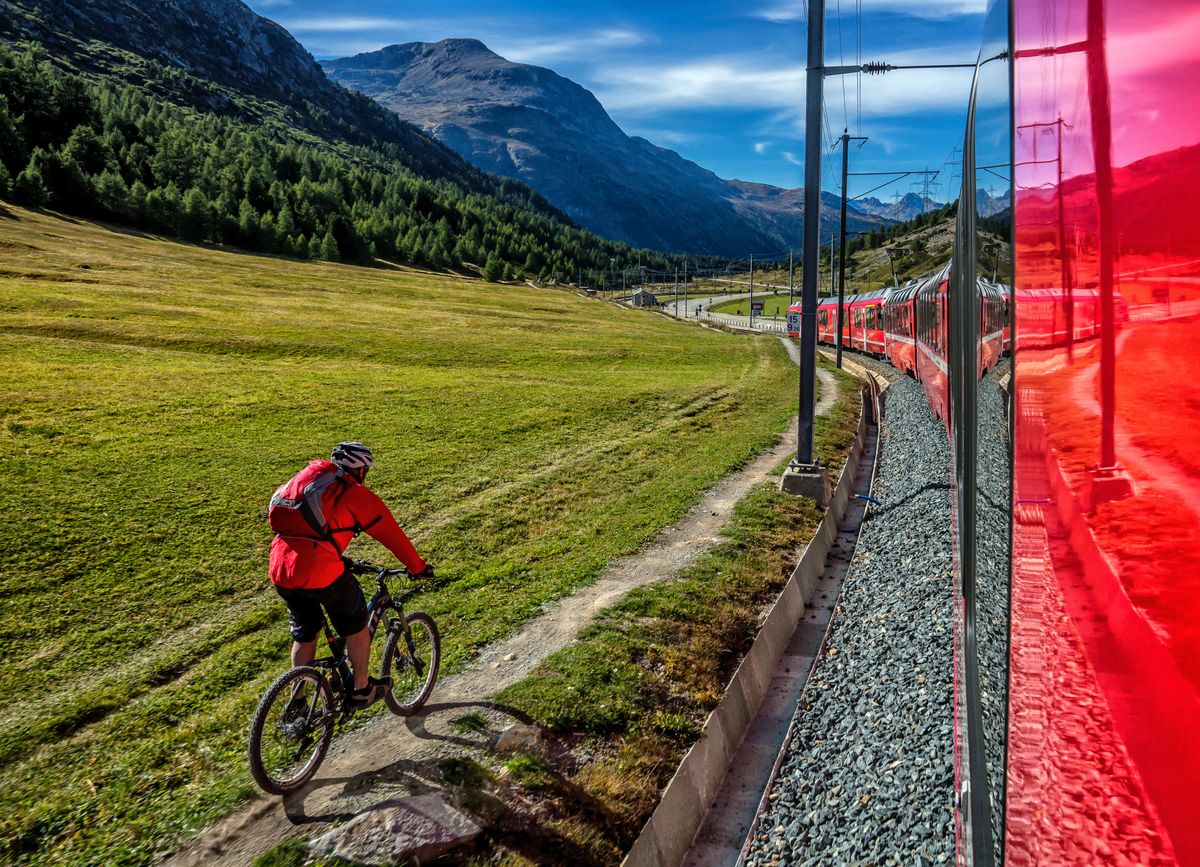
(293, 725)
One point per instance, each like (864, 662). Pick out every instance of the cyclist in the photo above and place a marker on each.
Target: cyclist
(308, 570)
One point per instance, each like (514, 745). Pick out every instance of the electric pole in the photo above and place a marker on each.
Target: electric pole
(814, 89)
(791, 278)
(685, 310)
(751, 290)
(895, 280)
(845, 139)
(804, 476)
(1064, 261)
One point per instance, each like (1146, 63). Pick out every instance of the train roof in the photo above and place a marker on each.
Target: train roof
(850, 300)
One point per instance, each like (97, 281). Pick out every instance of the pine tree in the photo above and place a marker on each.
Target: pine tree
(225, 218)
(197, 218)
(268, 234)
(88, 151)
(12, 148)
(30, 189)
(493, 269)
(286, 222)
(329, 248)
(112, 195)
(248, 226)
(137, 202)
(164, 209)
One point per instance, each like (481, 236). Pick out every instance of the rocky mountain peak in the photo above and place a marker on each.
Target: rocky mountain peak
(530, 123)
(465, 72)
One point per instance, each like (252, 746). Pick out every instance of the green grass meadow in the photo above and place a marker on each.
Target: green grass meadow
(153, 394)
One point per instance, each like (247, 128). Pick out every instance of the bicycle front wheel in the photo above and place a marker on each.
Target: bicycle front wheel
(412, 663)
(291, 730)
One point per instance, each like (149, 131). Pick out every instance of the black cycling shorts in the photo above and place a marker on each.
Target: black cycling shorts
(343, 601)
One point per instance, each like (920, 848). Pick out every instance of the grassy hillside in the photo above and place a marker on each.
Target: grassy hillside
(152, 394)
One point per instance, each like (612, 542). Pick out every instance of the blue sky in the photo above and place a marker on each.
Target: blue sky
(721, 83)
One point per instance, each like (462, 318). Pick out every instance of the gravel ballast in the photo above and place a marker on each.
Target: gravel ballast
(869, 774)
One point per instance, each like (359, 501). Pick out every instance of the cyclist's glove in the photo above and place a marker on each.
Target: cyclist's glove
(426, 573)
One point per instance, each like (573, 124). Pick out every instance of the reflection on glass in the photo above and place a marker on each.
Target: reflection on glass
(1103, 758)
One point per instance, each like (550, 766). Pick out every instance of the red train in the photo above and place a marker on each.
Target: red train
(1073, 406)
(907, 327)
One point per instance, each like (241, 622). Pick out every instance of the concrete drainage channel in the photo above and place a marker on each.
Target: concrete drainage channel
(708, 810)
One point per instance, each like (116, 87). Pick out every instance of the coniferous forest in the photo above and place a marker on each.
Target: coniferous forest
(97, 147)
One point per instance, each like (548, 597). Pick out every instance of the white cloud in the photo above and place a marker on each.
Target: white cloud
(708, 82)
(665, 136)
(760, 147)
(784, 11)
(337, 35)
(344, 24)
(570, 45)
(793, 159)
(758, 82)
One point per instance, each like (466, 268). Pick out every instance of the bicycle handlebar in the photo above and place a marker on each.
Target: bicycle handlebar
(362, 567)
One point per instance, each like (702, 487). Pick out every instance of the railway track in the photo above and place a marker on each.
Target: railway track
(866, 773)
(738, 803)
(849, 755)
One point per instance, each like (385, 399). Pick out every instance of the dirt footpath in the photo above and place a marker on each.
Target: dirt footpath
(391, 758)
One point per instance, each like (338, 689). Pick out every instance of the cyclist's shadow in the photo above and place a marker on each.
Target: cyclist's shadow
(416, 722)
(411, 776)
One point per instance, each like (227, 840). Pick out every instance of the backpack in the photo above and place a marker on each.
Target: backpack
(296, 507)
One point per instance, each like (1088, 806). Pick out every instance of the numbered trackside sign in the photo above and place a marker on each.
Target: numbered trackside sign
(793, 321)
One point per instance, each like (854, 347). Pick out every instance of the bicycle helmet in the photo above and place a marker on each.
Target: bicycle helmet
(352, 455)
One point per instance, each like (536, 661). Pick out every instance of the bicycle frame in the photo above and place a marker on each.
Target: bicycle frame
(338, 661)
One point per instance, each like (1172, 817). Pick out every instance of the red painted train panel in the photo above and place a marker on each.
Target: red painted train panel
(1103, 753)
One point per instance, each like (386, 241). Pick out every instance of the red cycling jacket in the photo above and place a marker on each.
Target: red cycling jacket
(350, 508)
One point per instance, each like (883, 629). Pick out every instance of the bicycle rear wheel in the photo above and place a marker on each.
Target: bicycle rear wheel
(415, 664)
(291, 730)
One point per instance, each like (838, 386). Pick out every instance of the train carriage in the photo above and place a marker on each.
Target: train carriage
(900, 316)
(993, 322)
(864, 315)
(931, 340)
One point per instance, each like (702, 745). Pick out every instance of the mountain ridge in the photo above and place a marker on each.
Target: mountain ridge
(532, 124)
(202, 138)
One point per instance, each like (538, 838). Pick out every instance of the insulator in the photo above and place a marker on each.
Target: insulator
(876, 68)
